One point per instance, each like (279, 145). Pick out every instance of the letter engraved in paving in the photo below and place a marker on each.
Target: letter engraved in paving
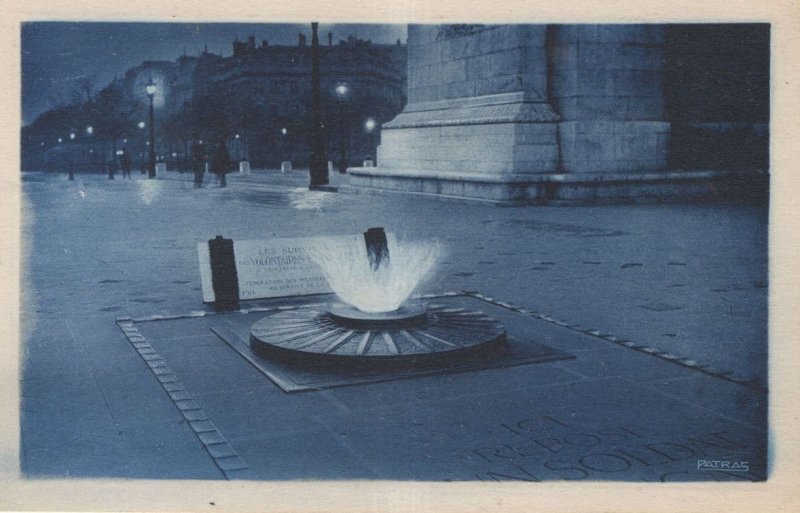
(547, 448)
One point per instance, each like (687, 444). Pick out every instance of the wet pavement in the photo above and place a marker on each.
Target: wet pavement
(630, 290)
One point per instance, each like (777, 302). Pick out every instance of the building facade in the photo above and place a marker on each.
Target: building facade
(256, 99)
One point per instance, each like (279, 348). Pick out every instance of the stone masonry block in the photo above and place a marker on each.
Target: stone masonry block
(478, 67)
(535, 166)
(507, 61)
(645, 108)
(611, 33)
(535, 152)
(602, 107)
(533, 35)
(454, 71)
(498, 84)
(458, 90)
(565, 83)
(613, 56)
(564, 57)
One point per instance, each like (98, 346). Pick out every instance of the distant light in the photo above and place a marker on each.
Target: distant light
(369, 124)
(59, 140)
(72, 135)
(124, 141)
(119, 152)
(147, 143)
(150, 88)
(283, 130)
(42, 144)
(200, 141)
(90, 129)
(237, 136)
(141, 124)
(91, 150)
(341, 90)
(174, 154)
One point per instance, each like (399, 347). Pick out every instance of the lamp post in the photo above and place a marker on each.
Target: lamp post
(285, 144)
(341, 95)
(71, 169)
(151, 92)
(318, 163)
(90, 158)
(142, 146)
(369, 126)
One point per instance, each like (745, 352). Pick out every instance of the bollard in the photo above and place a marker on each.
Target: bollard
(223, 274)
(377, 247)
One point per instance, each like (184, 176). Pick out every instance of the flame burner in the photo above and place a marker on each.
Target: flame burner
(342, 334)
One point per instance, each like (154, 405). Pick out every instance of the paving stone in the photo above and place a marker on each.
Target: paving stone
(179, 395)
(203, 426)
(166, 377)
(210, 437)
(231, 463)
(192, 415)
(221, 450)
(187, 405)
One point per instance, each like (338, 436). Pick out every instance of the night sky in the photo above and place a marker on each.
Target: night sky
(56, 56)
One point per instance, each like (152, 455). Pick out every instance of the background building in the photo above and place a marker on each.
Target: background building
(257, 100)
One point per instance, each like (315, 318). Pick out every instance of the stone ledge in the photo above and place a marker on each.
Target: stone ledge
(499, 108)
(557, 189)
(545, 177)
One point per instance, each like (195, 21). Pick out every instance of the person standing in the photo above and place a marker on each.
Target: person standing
(221, 163)
(198, 162)
(112, 167)
(125, 164)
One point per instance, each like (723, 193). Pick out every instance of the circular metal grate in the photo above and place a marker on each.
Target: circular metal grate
(418, 331)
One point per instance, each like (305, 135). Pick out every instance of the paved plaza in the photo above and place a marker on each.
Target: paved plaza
(663, 309)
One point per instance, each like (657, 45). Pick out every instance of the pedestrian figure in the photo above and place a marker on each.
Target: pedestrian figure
(221, 163)
(125, 164)
(112, 168)
(71, 171)
(198, 163)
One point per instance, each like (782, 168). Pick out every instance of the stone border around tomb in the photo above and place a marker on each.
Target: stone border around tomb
(221, 452)
(232, 465)
(593, 332)
(650, 350)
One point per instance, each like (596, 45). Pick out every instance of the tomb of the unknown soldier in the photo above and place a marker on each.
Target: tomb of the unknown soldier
(352, 303)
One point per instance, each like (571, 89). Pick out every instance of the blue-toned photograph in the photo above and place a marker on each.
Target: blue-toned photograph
(416, 253)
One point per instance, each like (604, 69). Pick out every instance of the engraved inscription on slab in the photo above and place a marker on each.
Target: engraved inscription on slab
(275, 267)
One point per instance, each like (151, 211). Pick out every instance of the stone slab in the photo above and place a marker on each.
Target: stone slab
(276, 267)
(578, 431)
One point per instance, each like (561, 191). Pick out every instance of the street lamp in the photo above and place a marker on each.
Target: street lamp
(285, 145)
(141, 125)
(150, 88)
(318, 161)
(90, 132)
(71, 164)
(369, 126)
(341, 94)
